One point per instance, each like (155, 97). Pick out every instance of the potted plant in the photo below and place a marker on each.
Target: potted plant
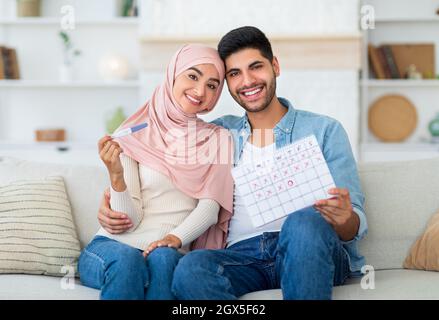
(28, 8)
(69, 54)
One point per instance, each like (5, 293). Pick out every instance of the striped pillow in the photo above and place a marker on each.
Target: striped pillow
(37, 232)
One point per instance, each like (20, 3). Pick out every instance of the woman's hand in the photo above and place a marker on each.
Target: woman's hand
(109, 152)
(168, 241)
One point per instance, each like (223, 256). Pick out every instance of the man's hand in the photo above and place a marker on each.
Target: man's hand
(112, 221)
(338, 212)
(168, 241)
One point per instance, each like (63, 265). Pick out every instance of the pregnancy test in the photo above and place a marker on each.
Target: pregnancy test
(128, 131)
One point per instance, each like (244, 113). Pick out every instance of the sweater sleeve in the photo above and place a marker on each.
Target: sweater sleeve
(199, 220)
(130, 200)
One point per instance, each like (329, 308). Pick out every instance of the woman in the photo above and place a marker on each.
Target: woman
(158, 179)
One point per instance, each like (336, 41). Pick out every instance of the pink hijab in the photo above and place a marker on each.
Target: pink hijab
(173, 141)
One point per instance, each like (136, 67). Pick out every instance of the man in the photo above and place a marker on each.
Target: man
(309, 251)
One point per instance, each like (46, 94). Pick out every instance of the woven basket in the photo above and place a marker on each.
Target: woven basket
(28, 8)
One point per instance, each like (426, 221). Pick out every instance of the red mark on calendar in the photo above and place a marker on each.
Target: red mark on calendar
(290, 183)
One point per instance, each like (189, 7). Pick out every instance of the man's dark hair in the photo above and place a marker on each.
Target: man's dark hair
(244, 38)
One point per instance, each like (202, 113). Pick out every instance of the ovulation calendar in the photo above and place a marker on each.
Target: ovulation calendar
(290, 179)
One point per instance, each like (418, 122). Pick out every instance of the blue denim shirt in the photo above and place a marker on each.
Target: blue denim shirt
(333, 140)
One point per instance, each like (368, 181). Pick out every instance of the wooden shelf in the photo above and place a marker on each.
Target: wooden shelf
(49, 21)
(407, 20)
(32, 145)
(20, 84)
(214, 38)
(400, 147)
(388, 83)
(296, 51)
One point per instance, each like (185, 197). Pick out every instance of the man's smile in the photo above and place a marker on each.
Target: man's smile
(252, 94)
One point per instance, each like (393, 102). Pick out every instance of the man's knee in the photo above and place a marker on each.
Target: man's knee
(307, 225)
(188, 270)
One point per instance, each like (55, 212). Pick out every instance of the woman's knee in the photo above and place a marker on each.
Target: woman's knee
(163, 256)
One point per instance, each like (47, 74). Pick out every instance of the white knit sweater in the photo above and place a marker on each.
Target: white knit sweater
(156, 208)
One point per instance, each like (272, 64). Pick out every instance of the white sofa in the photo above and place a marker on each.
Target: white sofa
(400, 199)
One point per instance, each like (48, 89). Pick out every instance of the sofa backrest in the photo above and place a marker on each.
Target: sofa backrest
(84, 185)
(400, 199)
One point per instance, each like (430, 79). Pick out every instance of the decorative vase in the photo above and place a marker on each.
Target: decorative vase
(433, 127)
(65, 73)
(28, 8)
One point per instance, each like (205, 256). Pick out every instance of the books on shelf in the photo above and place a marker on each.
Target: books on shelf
(395, 61)
(8, 63)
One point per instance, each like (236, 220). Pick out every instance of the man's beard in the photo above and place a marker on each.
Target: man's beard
(271, 90)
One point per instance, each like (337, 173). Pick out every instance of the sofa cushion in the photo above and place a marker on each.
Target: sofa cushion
(424, 254)
(389, 284)
(84, 185)
(37, 233)
(34, 287)
(400, 199)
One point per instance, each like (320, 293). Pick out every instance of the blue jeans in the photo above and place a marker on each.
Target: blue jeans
(306, 259)
(121, 272)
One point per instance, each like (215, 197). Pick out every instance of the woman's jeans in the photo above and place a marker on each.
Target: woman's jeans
(121, 272)
(306, 259)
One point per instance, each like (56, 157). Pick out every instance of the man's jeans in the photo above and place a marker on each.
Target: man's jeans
(306, 259)
(121, 272)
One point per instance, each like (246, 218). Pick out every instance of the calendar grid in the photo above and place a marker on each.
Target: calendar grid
(294, 177)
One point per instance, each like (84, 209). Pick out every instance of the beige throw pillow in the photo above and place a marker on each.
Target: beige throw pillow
(37, 232)
(424, 254)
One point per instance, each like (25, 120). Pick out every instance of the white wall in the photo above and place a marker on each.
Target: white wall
(283, 17)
